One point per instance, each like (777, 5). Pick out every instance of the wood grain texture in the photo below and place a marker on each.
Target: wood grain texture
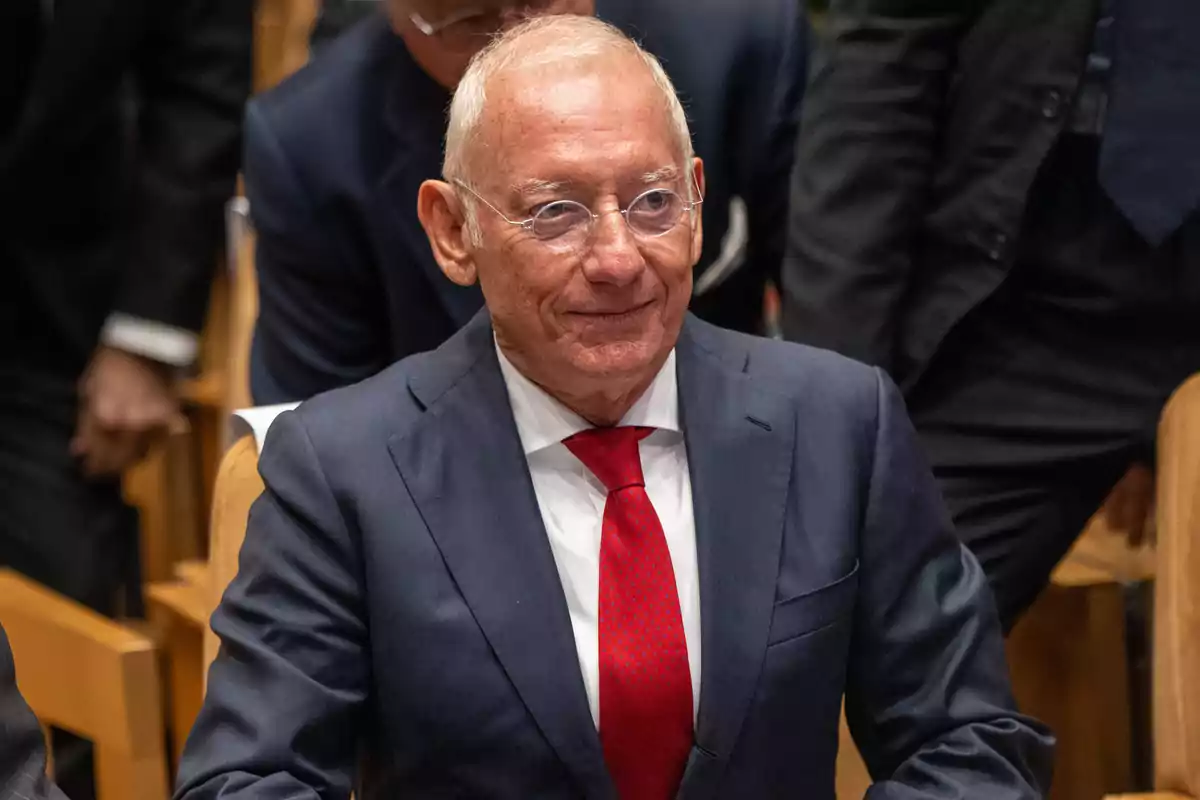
(92, 676)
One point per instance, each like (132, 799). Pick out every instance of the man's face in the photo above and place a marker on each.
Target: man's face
(610, 307)
(446, 34)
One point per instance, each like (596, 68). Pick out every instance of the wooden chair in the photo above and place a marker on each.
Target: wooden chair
(170, 496)
(1068, 658)
(182, 608)
(94, 677)
(281, 30)
(238, 486)
(178, 597)
(1177, 602)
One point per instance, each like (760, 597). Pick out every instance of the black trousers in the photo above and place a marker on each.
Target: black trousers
(1039, 401)
(75, 536)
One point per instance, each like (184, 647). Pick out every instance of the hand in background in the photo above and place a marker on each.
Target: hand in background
(125, 401)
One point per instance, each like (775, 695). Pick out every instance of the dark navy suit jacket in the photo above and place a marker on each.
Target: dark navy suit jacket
(335, 155)
(398, 614)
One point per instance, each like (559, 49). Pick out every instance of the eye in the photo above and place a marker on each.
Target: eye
(655, 201)
(558, 218)
(551, 211)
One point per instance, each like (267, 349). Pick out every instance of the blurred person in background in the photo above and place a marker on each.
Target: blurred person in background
(336, 16)
(334, 156)
(120, 125)
(997, 202)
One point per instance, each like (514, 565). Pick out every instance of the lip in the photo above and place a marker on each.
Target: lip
(614, 314)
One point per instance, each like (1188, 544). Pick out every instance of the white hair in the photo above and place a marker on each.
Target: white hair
(541, 41)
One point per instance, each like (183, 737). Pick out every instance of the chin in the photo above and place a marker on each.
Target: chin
(615, 358)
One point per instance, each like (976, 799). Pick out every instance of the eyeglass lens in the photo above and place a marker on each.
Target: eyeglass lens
(651, 214)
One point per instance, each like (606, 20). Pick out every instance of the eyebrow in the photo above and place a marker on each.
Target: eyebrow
(534, 186)
(661, 175)
(538, 186)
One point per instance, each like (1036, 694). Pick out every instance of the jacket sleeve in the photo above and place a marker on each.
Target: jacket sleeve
(22, 746)
(193, 75)
(771, 142)
(283, 710)
(320, 323)
(864, 165)
(928, 696)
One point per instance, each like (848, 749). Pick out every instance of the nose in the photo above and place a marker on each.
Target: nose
(614, 257)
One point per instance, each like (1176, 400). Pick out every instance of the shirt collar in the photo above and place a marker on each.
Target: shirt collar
(543, 421)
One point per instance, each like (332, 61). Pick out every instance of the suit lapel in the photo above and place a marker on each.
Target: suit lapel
(414, 109)
(464, 467)
(739, 443)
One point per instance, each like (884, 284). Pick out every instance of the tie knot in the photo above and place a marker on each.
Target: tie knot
(611, 454)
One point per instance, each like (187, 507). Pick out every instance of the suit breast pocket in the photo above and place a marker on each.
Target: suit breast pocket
(814, 610)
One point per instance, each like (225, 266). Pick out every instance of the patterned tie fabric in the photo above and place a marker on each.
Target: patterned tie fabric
(645, 683)
(1150, 153)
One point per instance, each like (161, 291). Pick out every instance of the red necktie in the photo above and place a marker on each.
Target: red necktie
(645, 683)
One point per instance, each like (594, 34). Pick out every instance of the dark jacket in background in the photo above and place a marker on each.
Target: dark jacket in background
(113, 172)
(336, 16)
(922, 136)
(335, 155)
(951, 221)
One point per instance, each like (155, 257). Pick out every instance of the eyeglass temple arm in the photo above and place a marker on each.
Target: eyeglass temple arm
(526, 224)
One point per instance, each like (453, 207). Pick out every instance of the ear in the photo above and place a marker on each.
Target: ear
(443, 218)
(698, 223)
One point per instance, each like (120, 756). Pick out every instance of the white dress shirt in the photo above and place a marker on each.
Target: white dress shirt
(572, 500)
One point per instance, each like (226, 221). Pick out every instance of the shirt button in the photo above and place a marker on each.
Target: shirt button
(1052, 104)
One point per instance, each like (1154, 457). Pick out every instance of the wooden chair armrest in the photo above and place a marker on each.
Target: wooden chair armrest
(110, 669)
(187, 601)
(1150, 796)
(194, 572)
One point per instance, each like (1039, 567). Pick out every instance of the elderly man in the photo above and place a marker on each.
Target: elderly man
(592, 546)
(334, 157)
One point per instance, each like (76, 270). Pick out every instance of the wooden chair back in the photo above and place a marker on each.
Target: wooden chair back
(281, 30)
(1177, 596)
(84, 673)
(238, 486)
(1177, 602)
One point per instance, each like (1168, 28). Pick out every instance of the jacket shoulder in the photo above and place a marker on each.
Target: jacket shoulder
(326, 117)
(330, 81)
(802, 369)
(787, 368)
(746, 20)
(353, 419)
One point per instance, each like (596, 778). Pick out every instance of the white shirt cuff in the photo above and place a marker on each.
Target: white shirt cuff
(164, 343)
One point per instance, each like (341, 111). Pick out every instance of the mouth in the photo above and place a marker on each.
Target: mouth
(614, 317)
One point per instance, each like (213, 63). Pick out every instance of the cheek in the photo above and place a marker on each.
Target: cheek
(672, 265)
(522, 284)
